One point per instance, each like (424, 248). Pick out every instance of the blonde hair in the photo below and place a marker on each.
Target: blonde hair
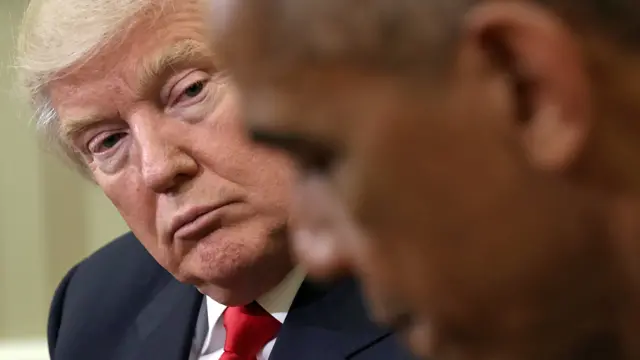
(57, 35)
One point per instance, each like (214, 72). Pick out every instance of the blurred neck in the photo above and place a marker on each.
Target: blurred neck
(625, 236)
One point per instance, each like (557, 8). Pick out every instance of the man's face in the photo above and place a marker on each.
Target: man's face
(426, 196)
(156, 123)
(422, 187)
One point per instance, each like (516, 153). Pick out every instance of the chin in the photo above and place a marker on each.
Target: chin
(236, 265)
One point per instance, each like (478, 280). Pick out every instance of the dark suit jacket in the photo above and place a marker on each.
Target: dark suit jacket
(119, 304)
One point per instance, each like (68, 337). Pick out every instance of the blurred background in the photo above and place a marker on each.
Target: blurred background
(50, 218)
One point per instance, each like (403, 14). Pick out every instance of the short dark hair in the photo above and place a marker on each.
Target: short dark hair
(378, 33)
(403, 35)
(618, 20)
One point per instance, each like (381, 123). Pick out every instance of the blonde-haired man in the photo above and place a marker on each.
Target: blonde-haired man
(131, 91)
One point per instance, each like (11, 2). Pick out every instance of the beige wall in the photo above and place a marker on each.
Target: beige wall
(49, 217)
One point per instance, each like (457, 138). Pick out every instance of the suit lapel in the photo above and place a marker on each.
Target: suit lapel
(165, 328)
(326, 323)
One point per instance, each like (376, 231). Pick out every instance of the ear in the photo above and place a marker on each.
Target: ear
(542, 62)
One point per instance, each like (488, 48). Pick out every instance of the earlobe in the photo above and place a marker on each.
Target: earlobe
(548, 83)
(552, 143)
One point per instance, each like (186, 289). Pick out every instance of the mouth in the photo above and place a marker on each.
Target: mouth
(197, 222)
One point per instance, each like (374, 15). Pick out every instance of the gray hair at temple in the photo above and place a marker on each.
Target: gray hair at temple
(57, 35)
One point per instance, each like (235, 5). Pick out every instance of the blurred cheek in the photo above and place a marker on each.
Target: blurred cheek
(322, 233)
(318, 253)
(329, 243)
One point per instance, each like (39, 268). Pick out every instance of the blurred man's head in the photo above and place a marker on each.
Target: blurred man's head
(450, 151)
(133, 92)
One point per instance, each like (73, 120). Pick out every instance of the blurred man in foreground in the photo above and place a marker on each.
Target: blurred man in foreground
(132, 92)
(469, 160)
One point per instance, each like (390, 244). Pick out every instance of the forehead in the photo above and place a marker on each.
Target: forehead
(146, 35)
(300, 106)
(321, 103)
(154, 41)
(305, 72)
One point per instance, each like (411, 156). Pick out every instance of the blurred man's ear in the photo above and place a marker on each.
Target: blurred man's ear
(548, 83)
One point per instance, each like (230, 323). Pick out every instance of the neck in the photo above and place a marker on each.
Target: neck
(625, 236)
(611, 292)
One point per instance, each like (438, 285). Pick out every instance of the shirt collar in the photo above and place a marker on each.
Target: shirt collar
(276, 302)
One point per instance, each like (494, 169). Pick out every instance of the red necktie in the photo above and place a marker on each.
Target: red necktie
(249, 329)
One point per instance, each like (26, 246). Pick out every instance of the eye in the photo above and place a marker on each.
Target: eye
(193, 92)
(317, 160)
(104, 142)
(311, 156)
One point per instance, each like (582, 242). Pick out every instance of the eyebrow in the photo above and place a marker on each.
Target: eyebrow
(167, 59)
(71, 128)
(150, 69)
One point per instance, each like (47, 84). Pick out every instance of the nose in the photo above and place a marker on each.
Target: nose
(165, 163)
(323, 237)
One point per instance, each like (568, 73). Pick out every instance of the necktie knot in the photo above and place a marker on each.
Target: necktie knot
(249, 328)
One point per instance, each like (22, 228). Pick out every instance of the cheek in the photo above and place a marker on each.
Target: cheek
(329, 242)
(267, 175)
(391, 208)
(321, 233)
(137, 206)
(268, 178)
(224, 144)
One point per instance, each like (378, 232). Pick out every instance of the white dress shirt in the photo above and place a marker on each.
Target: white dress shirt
(208, 342)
